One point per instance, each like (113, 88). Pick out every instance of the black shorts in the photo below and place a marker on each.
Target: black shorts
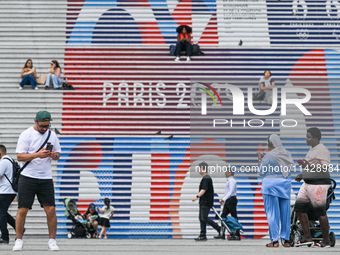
(104, 222)
(29, 187)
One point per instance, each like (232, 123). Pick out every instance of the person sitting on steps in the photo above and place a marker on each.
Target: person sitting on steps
(183, 43)
(28, 75)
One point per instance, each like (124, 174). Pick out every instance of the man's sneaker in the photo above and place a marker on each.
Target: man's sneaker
(201, 238)
(220, 237)
(36, 88)
(18, 245)
(188, 59)
(2, 241)
(177, 59)
(20, 88)
(52, 245)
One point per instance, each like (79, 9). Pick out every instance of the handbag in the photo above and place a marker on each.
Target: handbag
(42, 79)
(259, 96)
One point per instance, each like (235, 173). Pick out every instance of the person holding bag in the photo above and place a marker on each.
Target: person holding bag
(37, 147)
(28, 75)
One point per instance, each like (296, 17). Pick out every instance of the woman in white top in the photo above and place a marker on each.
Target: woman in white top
(267, 84)
(28, 75)
(104, 221)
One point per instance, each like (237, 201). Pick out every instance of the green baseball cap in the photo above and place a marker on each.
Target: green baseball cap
(43, 116)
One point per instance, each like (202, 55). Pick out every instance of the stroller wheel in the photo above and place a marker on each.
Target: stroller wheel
(332, 239)
(69, 235)
(295, 236)
(88, 235)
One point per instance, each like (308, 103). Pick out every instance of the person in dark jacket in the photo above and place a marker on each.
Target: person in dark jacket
(206, 200)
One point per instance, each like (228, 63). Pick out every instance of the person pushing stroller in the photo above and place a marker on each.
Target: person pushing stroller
(229, 203)
(315, 187)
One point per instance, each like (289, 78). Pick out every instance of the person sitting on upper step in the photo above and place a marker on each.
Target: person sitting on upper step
(54, 75)
(28, 75)
(183, 43)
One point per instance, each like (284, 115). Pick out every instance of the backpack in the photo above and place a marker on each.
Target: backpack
(17, 170)
(196, 50)
(16, 174)
(172, 49)
(65, 86)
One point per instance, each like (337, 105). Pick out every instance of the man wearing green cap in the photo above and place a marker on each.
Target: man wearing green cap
(36, 177)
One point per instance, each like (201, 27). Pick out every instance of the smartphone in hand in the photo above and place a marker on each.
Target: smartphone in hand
(49, 147)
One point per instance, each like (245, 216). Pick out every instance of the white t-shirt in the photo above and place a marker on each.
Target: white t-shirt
(6, 168)
(29, 142)
(107, 212)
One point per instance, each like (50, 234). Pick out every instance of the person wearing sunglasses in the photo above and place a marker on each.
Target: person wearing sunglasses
(36, 177)
(28, 75)
(54, 75)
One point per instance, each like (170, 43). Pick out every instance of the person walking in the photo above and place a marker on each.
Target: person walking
(36, 177)
(317, 181)
(7, 194)
(275, 168)
(206, 201)
(229, 203)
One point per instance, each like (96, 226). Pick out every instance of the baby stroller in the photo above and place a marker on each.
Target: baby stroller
(79, 229)
(296, 233)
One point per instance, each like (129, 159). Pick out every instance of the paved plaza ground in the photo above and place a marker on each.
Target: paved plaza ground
(37, 246)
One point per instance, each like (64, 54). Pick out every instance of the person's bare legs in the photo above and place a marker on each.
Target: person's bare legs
(102, 232)
(51, 221)
(20, 222)
(324, 229)
(305, 227)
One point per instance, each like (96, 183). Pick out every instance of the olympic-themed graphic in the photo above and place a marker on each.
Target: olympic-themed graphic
(129, 167)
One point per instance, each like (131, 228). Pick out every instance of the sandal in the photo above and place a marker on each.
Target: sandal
(286, 244)
(273, 244)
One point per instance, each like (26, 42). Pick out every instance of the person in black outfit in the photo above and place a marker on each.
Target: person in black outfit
(91, 211)
(206, 196)
(183, 43)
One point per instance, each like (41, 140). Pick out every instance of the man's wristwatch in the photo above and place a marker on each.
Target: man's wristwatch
(197, 196)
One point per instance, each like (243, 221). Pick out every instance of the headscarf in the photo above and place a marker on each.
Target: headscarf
(281, 155)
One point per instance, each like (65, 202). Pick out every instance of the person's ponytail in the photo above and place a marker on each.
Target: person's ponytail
(107, 203)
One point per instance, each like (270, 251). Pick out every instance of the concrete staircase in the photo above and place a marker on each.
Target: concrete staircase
(128, 88)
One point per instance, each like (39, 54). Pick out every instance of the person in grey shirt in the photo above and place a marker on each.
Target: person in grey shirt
(267, 84)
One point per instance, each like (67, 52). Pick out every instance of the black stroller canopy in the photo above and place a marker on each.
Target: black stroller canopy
(187, 28)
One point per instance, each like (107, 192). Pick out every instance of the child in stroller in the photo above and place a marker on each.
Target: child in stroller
(81, 227)
(296, 233)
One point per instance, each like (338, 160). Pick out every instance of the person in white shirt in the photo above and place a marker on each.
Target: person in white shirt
(229, 203)
(7, 194)
(104, 220)
(36, 177)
